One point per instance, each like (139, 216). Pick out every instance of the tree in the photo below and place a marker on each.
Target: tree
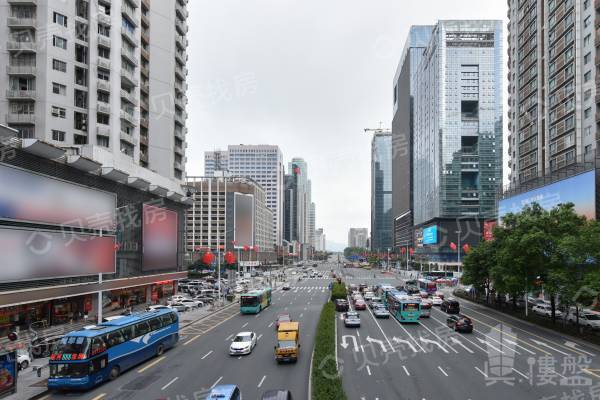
(478, 265)
(355, 251)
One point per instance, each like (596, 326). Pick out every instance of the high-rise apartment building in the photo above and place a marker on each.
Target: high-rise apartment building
(382, 220)
(217, 160)
(320, 242)
(104, 79)
(312, 217)
(403, 134)
(358, 237)
(552, 58)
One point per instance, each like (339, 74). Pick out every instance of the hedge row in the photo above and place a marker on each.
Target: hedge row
(338, 291)
(326, 383)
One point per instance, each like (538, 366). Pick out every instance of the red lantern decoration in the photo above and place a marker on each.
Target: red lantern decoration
(403, 250)
(453, 246)
(256, 248)
(229, 258)
(208, 258)
(246, 248)
(466, 248)
(117, 246)
(412, 251)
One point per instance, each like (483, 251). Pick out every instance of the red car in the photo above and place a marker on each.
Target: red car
(360, 305)
(282, 318)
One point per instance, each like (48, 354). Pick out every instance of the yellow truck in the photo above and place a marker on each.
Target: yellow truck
(288, 342)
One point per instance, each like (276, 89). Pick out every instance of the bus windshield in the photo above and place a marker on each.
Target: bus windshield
(410, 307)
(69, 370)
(72, 344)
(249, 301)
(287, 344)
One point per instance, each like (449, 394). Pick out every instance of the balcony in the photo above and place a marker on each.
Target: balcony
(144, 140)
(181, 11)
(128, 117)
(21, 46)
(103, 63)
(182, 27)
(20, 94)
(129, 78)
(129, 97)
(23, 2)
(144, 122)
(103, 107)
(145, 54)
(181, 41)
(103, 130)
(130, 36)
(144, 104)
(179, 150)
(104, 41)
(129, 55)
(104, 19)
(179, 102)
(103, 85)
(180, 87)
(180, 118)
(128, 12)
(13, 118)
(22, 70)
(145, 20)
(18, 22)
(179, 134)
(180, 71)
(128, 138)
(181, 56)
(145, 87)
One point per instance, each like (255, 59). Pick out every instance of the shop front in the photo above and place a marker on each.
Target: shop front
(162, 290)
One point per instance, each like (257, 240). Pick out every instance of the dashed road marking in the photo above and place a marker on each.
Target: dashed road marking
(206, 355)
(443, 372)
(170, 383)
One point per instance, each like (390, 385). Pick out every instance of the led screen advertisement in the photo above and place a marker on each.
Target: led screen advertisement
(41, 199)
(430, 235)
(579, 190)
(159, 238)
(39, 254)
(243, 220)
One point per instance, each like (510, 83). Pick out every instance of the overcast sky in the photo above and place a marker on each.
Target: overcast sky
(308, 76)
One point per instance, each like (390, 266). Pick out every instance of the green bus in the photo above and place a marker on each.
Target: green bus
(255, 301)
(402, 307)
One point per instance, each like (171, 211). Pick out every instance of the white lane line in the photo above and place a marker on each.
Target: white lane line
(443, 372)
(362, 348)
(368, 370)
(206, 355)
(405, 370)
(562, 376)
(381, 329)
(228, 337)
(358, 333)
(216, 382)
(169, 384)
(270, 325)
(301, 315)
(259, 336)
(245, 325)
(409, 335)
(441, 340)
(468, 340)
(481, 372)
(520, 373)
(256, 315)
(261, 381)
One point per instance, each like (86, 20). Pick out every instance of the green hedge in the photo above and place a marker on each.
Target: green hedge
(326, 383)
(338, 291)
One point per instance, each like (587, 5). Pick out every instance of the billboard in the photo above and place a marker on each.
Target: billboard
(39, 254)
(243, 217)
(430, 235)
(41, 199)
(159, 238)
(488, 230)
(8, 373)
(579, 190)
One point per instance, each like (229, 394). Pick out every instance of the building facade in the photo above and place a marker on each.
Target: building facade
(403, 134)
(320, 242)
(217, 160)
(104, 79)
(358, 237)
(382, 220)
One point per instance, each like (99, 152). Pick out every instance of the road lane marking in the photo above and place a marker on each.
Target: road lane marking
(488, 344)
(443, 372)
(209, 329)
(433, 342)
(593, 372)
(152, 364)
(256, 315)
(405, 370)
(458, 342)
(259, 336)
(381, 329)
(358, 333)
(216, 382)
(468, 340)
(228, 337)
(301, 315)
(439, 338)
(97, 397)
(45, 397)
(540, 343)
(261, 381)
(409, 335)
(245, 325)
(482, 373)
(519, 346)
(206, 355)
(169, 384)
(368, 370)
(270, 325)
(520, 373)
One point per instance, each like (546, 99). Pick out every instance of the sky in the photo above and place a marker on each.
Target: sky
(308, 76)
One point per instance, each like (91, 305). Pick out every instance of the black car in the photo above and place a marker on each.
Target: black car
(341, 305)
(42, 347)
(277, 395)
(460, 323)
(450, 306)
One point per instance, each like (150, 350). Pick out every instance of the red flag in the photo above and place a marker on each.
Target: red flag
(403, 250)
(466, 248)
(246, 248)
(453, 246)
(412, 251)
(208, 258)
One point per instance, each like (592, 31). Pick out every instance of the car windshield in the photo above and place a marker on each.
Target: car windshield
(71, 370)
(242, 338)
(592, 317)
(287, 344)
(352, 315)
(72, 344)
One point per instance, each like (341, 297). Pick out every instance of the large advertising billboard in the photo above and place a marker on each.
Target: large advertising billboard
(159, 238)
(40, 254)
(243, 215)
(430, 235)
(31, 197)
(579, 190)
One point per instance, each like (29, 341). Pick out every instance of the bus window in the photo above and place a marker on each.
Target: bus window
(98, 346)
(115, 338)
(410, 307)
(166, 319)
(72, 345)
(127, 333)
(141, 328)
(155, 324)
(98, 363)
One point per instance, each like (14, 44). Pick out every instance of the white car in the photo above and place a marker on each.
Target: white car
(587, 318)
(157, 307)
(178, 297)
(437, 300)
(179, 307)
(369, 295)
(545, 310)
(238, 289)
(23, 359)
(242, 343)
(192, 303)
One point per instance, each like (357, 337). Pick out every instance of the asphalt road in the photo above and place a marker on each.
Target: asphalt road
(503, 358)
(201, 359)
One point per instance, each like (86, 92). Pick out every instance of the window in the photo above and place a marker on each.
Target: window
(60, 19)
(59, 136)
(587, 58)
(103, 52)
(80, 121)
(588, 149)
(155, 324)
(59, 42)
(127, 333)
(104, 30)
(588, 112)
(58, 65)
(570, 122)
(141, 328)
(586, 4)
(114, 339)
(587, 76)
(587, 21)
(102, 141)
(57, 88)
(81, 98)
(59, 112)
(102, 118)
(587, 131)
(586, 39)
(587, 94)
(103, 97)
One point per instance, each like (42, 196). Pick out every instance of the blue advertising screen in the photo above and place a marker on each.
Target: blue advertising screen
(430, 235)
(579, 190)
(8, 373)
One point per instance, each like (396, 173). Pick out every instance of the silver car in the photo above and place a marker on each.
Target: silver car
(352, 319)
(381, 312)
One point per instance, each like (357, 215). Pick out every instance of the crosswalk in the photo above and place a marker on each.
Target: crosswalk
(297, 288)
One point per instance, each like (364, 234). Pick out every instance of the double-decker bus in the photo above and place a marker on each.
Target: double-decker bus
(255, 301)
(85, 358)
(426, 285)
(402, 307)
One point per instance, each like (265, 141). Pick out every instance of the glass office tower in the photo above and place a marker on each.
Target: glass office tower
(382, 221)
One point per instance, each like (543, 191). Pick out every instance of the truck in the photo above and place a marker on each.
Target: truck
(288, 342)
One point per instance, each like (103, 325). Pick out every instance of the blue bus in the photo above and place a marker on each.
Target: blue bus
(255, 301)
(402, 307)
(83, 359)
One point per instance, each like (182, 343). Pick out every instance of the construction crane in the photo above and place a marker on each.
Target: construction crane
(378, 130)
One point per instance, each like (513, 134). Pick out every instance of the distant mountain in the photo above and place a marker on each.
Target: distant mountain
(334, 246)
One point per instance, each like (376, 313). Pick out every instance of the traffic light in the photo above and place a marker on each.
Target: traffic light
(13, 336)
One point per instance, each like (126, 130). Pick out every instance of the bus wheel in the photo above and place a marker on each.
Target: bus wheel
(114, 373)
(160, 350)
